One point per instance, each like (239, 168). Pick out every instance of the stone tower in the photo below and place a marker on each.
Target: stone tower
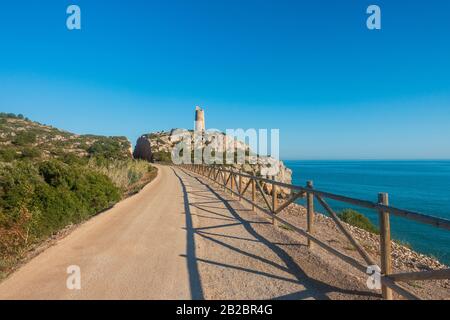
(199, 119)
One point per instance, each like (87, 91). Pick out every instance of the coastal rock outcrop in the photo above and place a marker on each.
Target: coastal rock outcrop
(143, 149)
(158, 146)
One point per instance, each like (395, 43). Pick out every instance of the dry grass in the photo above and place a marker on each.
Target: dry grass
(123, 173)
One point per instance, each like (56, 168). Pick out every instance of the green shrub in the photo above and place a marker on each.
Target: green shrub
(162, 156)
(107, 148)
(357, 219)
(72, 159)
(133, 176)
(54, 173)
(30, 153)
(38, 199)
(8, 154)
(24, 138)
(8, 115)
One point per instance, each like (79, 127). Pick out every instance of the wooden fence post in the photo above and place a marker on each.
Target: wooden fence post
(232, 183)
(310, 212)
(385, 244)
(240, 186)
(253, 193)
(274, 202)
(224, 176)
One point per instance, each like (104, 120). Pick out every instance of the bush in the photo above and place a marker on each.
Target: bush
(106, 148)
(30, 153)
(357, 219)
(72, 159)
(162, 156)
(8, 115)
(37, 200)
(24, 138)
(133, 176)
(7, 154)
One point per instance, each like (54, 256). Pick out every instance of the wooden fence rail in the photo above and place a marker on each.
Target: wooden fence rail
(232, 181)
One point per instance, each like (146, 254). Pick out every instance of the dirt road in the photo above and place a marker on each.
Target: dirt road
(180, 239)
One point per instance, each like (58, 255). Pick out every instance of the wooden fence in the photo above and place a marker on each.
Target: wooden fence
(232, 181)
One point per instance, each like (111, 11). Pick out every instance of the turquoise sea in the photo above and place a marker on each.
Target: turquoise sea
(422, 186)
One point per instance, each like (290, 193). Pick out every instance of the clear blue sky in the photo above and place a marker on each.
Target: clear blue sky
(310, 68)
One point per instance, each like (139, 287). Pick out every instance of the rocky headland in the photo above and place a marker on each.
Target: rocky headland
(158, 147)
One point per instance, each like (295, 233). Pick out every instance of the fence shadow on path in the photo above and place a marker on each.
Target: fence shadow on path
(195, 284)
(312, 288)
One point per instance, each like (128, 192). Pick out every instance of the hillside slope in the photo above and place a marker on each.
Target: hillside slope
(50, 179)
(21, 138)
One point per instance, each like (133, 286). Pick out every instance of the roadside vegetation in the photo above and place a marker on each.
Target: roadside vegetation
(356, 219)
(128, 175)
(162, 157)
(50, 179)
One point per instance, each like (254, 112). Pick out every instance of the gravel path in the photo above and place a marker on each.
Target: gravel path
(179, 238)
(240, 255)
(129, 252)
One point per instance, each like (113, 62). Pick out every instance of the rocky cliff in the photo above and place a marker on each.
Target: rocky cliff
(159, 146)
